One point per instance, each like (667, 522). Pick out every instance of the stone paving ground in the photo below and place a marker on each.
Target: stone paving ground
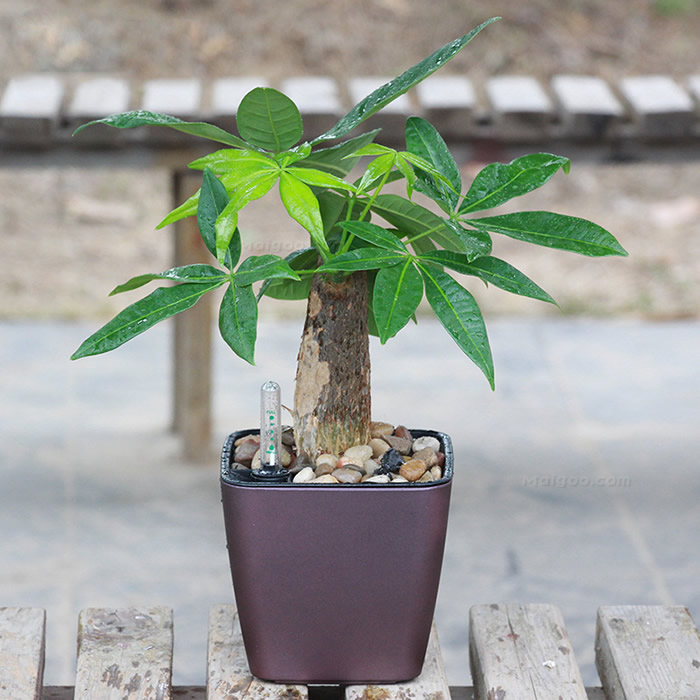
(577, 481)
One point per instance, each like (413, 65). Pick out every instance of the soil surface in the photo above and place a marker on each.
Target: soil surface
(68, 236)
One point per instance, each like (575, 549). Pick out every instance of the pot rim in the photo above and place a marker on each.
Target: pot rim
(230, 477)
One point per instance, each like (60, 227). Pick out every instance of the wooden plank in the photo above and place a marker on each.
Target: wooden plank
(662, 108)
(645, 652)
(521, 107)
(125, 654)
(448, 103)
(588, 106)
(30, 109)
(192, 343)
(22, 634)
(431, 683)
(228, 675)
(522, 651)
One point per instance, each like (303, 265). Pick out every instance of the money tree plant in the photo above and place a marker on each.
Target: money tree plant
(372, 255)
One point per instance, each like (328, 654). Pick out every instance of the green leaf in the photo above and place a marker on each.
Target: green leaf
(238, 320)
(129, 120)
(362, 259)
(260, 267)
(235, 163)
(339, 160)
(269, 119)
(423, 139)
(187, 208)
(301, 204)
(458, 312)
(491, 270)
(142, 315)
(376, 235)
(388, 92)
(412, 219)
(248, 190)
(476, 242)
(553, 231)
(376, 169)
(318, 178)
(197, 273)
(397, 293)
(213, 199)
(497, 183)
(304, 259)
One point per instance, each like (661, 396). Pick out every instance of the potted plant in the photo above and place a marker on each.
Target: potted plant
(336, 580)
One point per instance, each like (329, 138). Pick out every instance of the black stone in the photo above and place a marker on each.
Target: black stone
(391, 462)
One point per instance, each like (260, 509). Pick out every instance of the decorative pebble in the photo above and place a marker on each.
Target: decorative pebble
(358, 454)
(255, 462)
(244, 453)
(379, 447)
(391, 461)
(427, 441)
(346, 475)
(371, 466)
(436, 472)
(441, 459)
(288, 436)
(399, 480)
(378, 479)
(412, 470)
(403, 432)
(403, 445)
(304, 476)
(426, 455)
(245, 438)
(426, 478)
(324, 468)
(324, 479)
(377, 429)
(326, 458)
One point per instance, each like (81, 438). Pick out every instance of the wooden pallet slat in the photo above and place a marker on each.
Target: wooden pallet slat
(30, 109)
(648, 652)
(448, 103)
(522, 651)
(228, 675)
(22, 645)
(125, 654)
(431, 683)
(318, 99)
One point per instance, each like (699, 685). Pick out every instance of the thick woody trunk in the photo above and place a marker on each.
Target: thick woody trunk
(332, 398)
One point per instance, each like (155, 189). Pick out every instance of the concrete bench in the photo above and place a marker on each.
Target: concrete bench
(516, 651)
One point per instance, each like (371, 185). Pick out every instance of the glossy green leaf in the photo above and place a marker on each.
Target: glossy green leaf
(289, 289)
(293, 155)
(458, 312)
(253, 188)
(338, 160)
(362, 259)
(260, 267)
(397, 293)
(301, 204)
(269, 119)
(413, 220)
(187, 208)
(318, 178)
(198, 273)
(234, 162)
(160, 304)
(388, 92)
(491, 270)
(475, 241)
(375, 170)
(213, 199)
(553, 231)
(497, 183)
(129, 120)
(238, 320)
(376, 235)
(423, 139)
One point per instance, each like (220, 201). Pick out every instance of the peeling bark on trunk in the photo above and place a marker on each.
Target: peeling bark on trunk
(332, 398)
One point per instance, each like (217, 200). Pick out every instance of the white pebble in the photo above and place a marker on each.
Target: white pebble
(379, 479)
(324, 479)
(370, 466)
(304, 476)
(399, 480)
(358, 454)
(327, 459)
(427, 441)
